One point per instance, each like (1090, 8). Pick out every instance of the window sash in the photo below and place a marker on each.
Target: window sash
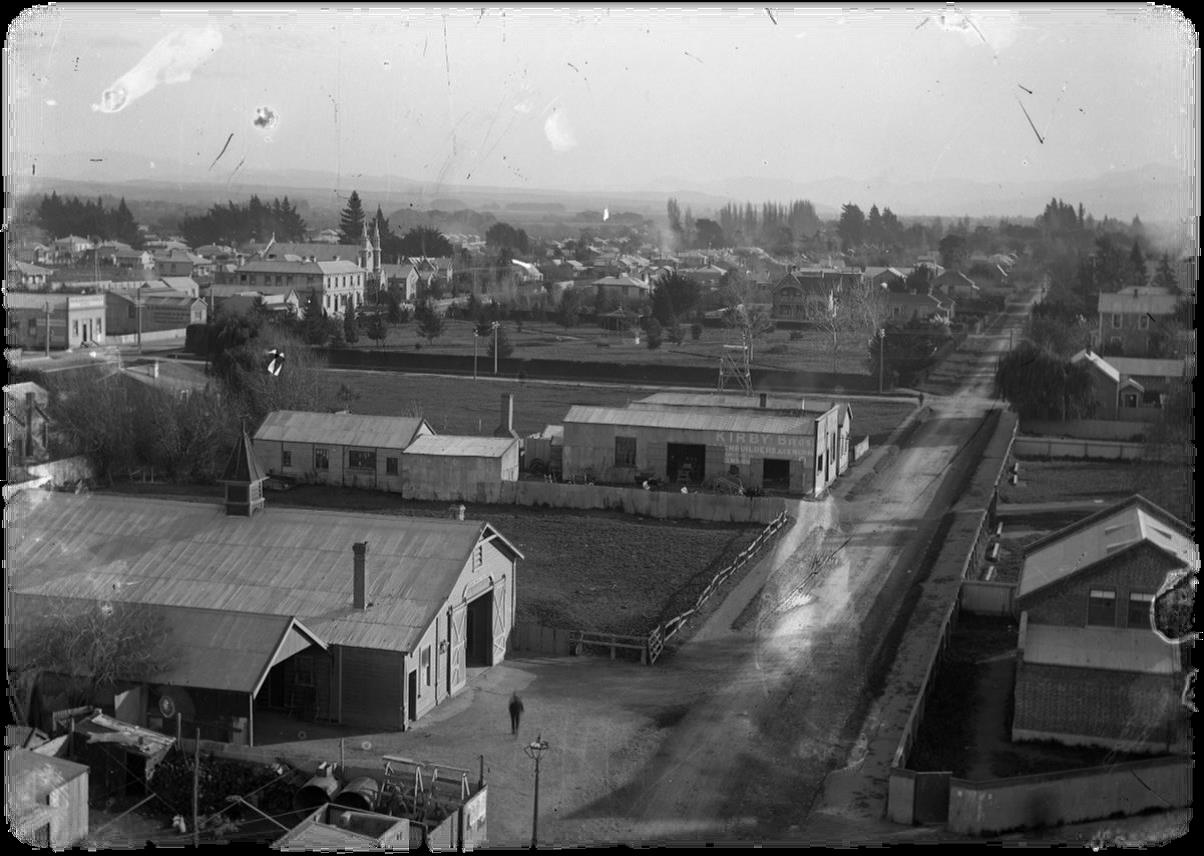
(1139, 609)
(1101, 608)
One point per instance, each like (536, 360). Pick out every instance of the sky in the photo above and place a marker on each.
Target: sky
(577, 97)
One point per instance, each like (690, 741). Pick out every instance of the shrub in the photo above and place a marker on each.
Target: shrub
(695, 331)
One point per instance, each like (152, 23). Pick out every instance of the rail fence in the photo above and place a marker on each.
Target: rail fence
(649, 645)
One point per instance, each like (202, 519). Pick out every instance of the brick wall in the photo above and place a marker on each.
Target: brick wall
(1140, 569)
(1110, 708)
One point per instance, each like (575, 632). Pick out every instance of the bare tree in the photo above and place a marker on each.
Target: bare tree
(749, 318)
(852, 308)
(93, 645)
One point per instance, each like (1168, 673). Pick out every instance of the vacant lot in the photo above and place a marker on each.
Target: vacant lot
(456, 405)
(1072, 481)
(810, 350)
(593, 570)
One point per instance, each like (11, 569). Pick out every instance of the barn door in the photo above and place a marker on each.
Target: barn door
(455, 657)
(501, 626)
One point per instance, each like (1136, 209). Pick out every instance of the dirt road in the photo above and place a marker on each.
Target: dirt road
(790, 691)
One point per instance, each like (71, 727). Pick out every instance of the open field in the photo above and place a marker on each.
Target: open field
(456, 405)
(1103, 482)
(593, 570)
(589, 342)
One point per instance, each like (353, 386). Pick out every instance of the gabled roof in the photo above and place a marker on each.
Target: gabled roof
(465, 447)
(1149, 367)
(691, 420)
(342, 429)
(292, 562)
(1101, 364)
(1099, 536)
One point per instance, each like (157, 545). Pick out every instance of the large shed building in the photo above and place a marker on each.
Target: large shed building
(446, 467)
(352, 618)
(688, 446)
(348, 449)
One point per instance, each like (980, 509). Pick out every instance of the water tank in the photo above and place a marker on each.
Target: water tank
(317, 791)
(361, 793)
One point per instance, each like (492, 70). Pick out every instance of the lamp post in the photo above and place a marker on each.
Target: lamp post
(535, 750)
(495, 325)
(881, 355)
(476, 335)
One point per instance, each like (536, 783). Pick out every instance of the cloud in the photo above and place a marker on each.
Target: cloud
(559, 133)
(172, 60)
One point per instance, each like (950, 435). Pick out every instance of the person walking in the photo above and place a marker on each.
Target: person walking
(516, 712)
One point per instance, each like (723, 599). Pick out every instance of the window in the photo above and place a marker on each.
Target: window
(361, 460)
(1128, 399)
(1101, 608)
(321, 459)
(624, 451)
(286, 459)
(391, 466)
(133, 312)
(426, 664)
(33, 325)
(303, 671)
(1143, 322)
(1139, 609)
(1116, 320)
(74, 328)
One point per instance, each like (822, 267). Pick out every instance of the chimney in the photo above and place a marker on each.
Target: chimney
(506, 429)
(359, 595)
(764, 400)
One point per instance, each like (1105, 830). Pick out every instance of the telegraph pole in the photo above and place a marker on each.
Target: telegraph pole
(476, 337)
(47, 328)
(881, 355)
(535, 750)
(495, 326)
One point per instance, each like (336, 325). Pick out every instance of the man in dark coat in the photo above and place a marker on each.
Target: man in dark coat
(516, 712)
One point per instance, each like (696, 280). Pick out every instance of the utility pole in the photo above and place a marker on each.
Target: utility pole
(535, 750)
(495, 326)
(47, 328)
(138, 299)
(196, 788)
(881, 355)
(476, 336)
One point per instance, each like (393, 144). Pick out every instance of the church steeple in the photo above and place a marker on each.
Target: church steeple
(243, 478)
(376, 266)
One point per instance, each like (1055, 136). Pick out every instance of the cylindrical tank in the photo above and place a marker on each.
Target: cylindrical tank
(317, 791)
(361, 793)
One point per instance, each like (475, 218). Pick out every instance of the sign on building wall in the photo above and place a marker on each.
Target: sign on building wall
(741, 448)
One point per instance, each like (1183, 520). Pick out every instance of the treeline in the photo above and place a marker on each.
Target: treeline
(234, 224)
(746, 225)
(90, 219)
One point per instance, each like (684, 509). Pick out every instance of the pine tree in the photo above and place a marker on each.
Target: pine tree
(351, 220)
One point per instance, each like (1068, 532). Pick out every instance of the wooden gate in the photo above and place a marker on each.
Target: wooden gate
(456, 656)
(932, 797)
(501, 624)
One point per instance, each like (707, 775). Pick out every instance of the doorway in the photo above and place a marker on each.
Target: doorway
(412, 697)
(775, 473)
(685, 463)
(478, 631)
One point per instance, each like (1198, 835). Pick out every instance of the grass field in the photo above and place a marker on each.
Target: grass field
(456, 405)
(593, 570)
(590, 343)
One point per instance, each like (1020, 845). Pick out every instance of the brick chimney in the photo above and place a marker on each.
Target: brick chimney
(506, 428)
(359, 591)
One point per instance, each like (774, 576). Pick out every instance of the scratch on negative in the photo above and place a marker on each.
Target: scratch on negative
(223, 151)
(446, 57)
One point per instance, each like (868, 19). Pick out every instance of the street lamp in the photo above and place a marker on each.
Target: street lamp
(534, 751)
(881, 355)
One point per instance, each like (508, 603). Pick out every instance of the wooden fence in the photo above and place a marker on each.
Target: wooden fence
(665, 631)
(650, 645)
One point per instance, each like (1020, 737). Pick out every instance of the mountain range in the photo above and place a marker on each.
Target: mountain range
(1156, 193)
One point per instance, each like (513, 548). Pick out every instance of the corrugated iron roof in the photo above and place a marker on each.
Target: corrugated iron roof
(1126, 302)
(283, 561)
(342, 429)
(688, 420)
(1110, 648)
(778, 404)
(1095, 538)
(1099, 362)
(467, 447)
(211, 649)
